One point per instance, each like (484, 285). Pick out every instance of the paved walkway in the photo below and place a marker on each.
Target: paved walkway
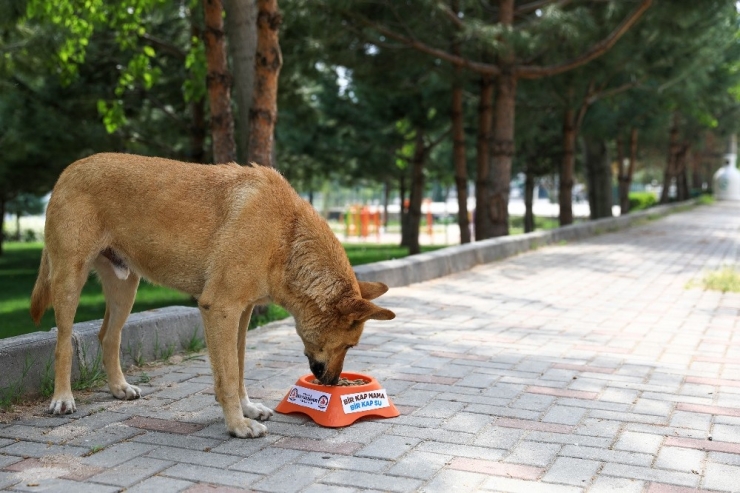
(587, 366)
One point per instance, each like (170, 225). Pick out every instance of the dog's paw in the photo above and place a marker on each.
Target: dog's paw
(62, 405)
(255, 410)
(248, 428)
(125, 392)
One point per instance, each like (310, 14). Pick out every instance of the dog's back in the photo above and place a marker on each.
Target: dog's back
(164, 219)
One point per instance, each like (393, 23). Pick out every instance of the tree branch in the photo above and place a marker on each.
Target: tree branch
(538, 4)
(534, 72)
(164, 46)
(481, 68)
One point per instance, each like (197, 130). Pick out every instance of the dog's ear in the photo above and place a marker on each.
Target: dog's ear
(361, 310)
(371, 290)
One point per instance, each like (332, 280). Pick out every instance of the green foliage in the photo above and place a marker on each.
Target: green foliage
(92, 373)
(641, 200)
(725, 280)
(195, 343)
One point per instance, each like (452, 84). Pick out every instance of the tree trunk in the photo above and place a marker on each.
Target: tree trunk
(241, 30)
(404, 219)
(682, 183)
(461, 167)
(502, 150)
(502, 153)
(219, 84)
(528, 201)
(626, 183)
(485, 120)
(621, 176)
(417, 192)
(386, 200)
(670, 167)
(458, 145)
(567, 169)
(2, 222)
(599, 178)
(268, 60)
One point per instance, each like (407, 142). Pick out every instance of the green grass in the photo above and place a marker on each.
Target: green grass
(516, 224)
(19, 267)
(726, 280)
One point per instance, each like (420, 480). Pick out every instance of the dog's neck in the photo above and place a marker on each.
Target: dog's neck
(316, 267)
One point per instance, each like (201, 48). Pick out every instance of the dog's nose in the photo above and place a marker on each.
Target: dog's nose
(317, 369)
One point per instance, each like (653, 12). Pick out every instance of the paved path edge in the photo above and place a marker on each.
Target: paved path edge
(26, 361)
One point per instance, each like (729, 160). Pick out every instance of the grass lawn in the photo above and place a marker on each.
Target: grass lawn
(19, 267)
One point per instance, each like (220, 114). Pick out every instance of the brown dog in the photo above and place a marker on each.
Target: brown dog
(231, 236)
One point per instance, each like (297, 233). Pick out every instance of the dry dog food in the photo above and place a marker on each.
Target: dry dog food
(343, 382)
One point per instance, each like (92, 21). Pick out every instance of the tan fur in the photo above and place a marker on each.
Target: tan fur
(228, 235)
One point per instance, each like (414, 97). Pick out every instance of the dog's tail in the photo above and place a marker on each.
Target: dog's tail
(41, 295)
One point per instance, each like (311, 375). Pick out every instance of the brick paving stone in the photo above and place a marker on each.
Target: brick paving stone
(162, 425)
(309, 445)
(680, 459)
(131, 472)
(35, 449)
(695, 421)
(175, 440)
(649, 474)
(495, 468)
(420, 465)
(576, 472)
(499, 484)
(450, 480)
(499, 437)
(639, 442)
(606, 455)
(726, 433)
(672, 488)
(325, 488)
(606, 484)
(181, 455)
(63, 485)
(533, 453)
(375, 481)
(388, 447)
(715, 446)
(715, 410)
(565, 415)
(332, 461)
(267, 461)
(290, 479)
(190, 472)
(117, 454)
(158, 484)
(721, 477)
(469, 451)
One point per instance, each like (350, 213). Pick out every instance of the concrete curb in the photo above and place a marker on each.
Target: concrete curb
(26, 362)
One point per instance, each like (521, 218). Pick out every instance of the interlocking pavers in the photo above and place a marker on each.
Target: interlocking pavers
(587, 366)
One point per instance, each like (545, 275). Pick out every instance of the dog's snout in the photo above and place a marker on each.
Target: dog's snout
(317, 368)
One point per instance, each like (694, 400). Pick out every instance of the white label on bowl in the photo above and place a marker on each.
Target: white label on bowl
(364, 401)
(314, 399)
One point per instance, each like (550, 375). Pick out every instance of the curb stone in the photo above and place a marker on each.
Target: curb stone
(27, 360)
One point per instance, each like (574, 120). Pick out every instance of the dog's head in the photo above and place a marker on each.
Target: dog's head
(327, 336)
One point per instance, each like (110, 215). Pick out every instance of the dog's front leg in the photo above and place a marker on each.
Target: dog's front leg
(252, 410)
(222, 327)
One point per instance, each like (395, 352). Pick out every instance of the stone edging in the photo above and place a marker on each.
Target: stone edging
(26, 361)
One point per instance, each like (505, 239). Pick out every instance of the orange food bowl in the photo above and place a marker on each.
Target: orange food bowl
(334, 406)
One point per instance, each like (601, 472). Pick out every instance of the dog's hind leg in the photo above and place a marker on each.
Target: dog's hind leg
(119, 299)
(222, 329)
(252, 410)
(67, 280)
